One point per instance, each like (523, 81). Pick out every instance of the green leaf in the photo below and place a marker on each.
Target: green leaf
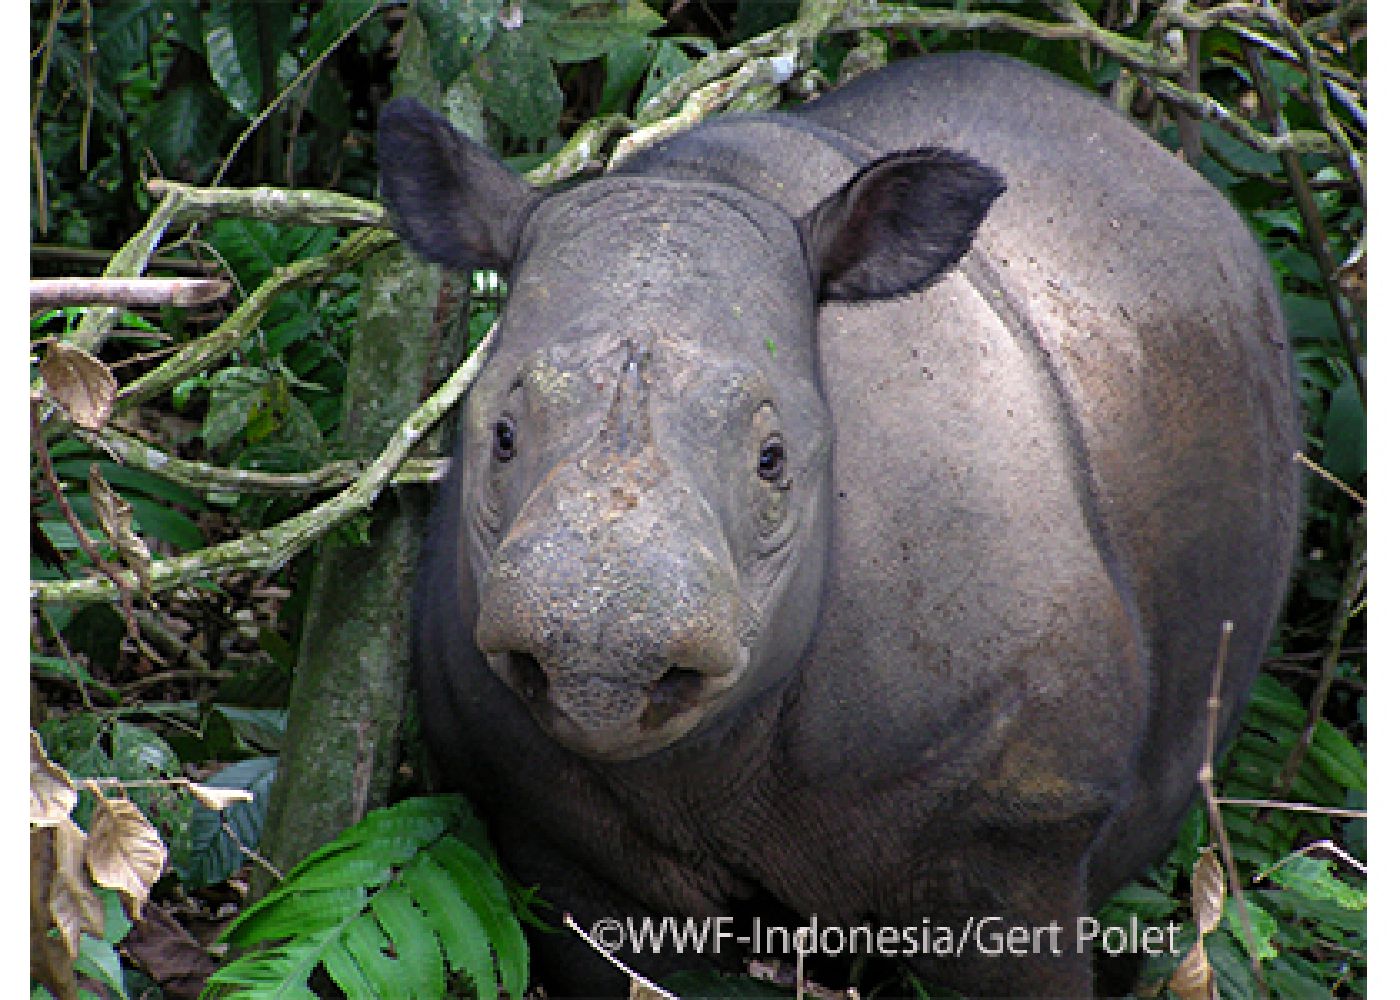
(517, 82)
(1261, 923)
(1344, 433)
(457, 32)
(263, 728)
(242, 42)
(342, 967)
(231, 52)
(98, 960)
(486, 895)
(420, 959)
(625, 63)
(1313, 878)
(331, 21)
(123, 36)
(456, 924)
(286, 912)
(597, 29)
(165, 523)
(366, 944)
(186, 24)
(185, 130)
(214, 855)
(669, 62)
(235, 395)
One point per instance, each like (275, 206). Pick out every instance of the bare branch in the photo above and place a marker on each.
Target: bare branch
(49, 293)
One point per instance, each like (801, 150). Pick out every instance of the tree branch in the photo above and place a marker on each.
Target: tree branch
(272, 547)
(49, 293)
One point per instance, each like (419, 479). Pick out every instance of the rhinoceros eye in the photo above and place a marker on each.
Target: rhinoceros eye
(503, 440)
(772, 460)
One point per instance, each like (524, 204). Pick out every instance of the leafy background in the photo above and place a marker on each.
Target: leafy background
(241, 94)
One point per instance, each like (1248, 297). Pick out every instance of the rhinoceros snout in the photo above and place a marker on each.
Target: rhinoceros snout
(614, 656)
(595, 705)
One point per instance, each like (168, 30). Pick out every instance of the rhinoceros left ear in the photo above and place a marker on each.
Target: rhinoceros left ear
(898, 224)
(450, 199)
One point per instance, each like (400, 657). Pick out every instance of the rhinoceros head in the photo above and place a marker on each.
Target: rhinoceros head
(645, 507)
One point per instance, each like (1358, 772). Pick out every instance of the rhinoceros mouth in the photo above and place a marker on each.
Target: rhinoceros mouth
(608, 719)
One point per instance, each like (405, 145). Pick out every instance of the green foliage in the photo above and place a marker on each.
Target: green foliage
(217, 840)
(402, 901)
(399, 905)
(1307, 915)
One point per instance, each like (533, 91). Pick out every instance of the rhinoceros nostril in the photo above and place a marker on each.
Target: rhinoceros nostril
(672, 693)
(527, 677)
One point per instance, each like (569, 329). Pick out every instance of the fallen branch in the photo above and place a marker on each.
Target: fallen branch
(50, 293)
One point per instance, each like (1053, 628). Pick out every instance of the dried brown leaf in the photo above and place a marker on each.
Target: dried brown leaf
(1351, 276)
(124, 851)
(218, 799)
(114, 514)
(1194, 979)
(51, 792)
(1207, 892)
(80, 383)
(73, 904)
(49, 962)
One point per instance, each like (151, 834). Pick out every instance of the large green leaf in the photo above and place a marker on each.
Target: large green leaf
(331, 21)
(123, 36)
(242, 42)
(185, 130)
(596, 29)
(458, 31)
(456, 924)
(214, 855)
(482, 889)
(1344, 433)
(420, 959)
(517, 82)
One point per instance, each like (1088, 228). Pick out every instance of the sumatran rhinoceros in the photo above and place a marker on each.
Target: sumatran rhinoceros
(843, 524)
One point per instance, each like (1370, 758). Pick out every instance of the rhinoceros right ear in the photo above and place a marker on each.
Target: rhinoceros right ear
(898, 224)
(449, 198)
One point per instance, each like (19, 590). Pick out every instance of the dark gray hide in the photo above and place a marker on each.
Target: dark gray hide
(800, 559)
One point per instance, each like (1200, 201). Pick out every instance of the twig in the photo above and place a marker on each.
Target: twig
(172, 646)
(203, 353)
(1320, 845)
(1352, 584)
(1206, 778)
(1302, 807)
(617, 963)
(132, 451)
(1318, 470)
(110, 572)
(48, 293)
(1312, 221)
(273, 105)
(272, 547)
(165, 676)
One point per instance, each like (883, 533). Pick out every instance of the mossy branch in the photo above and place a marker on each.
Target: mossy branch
(202, 354)
(272, 547)
(205, 478)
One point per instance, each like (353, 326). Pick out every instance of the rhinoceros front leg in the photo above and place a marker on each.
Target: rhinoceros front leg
(1005, 911)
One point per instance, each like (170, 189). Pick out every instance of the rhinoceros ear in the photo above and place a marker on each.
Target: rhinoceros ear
(449, 198)
(898, 224)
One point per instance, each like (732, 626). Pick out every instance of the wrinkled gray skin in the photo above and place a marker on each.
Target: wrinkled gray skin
(952, 659)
